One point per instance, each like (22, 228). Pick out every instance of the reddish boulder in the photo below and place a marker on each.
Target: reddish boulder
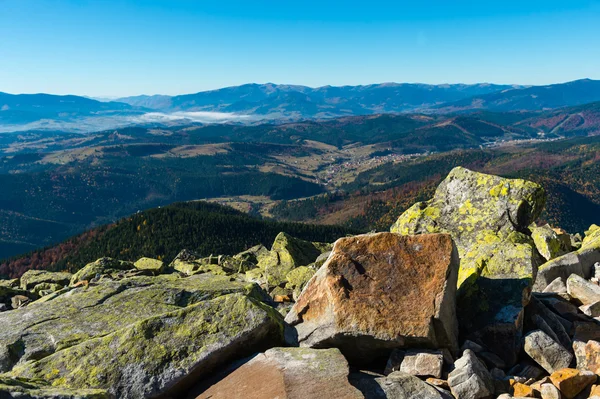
(377, 292)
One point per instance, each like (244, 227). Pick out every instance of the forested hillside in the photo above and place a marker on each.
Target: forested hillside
(162, 232)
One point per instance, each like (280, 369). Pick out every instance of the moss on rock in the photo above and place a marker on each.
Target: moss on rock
(488, 218)
(165, 353)
(100, 267)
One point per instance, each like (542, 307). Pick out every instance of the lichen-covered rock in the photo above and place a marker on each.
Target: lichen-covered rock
(163, 354)
(291, 373)
(549, 242)
(470, 379)
(43, 289)
(83, 313)
(31, 278)
(486, 216)
(298, 278)
(580, 262)
(546, 352)
(100, 267)
(12, 283)
(155, 266)
(286, 254)
(377, 292)
(24, 389)
(190, 263)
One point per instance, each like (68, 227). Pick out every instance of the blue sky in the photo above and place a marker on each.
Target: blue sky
(126, 47)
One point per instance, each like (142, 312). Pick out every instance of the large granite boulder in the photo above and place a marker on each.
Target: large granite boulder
(377, 292)
(488, 218)
(31, 278)
(137, 337)
(291, 373)
(580, 262)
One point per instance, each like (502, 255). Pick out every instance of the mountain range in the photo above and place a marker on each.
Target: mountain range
(253, 103)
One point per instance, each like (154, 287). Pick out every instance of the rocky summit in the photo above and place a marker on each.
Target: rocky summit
(468, 296)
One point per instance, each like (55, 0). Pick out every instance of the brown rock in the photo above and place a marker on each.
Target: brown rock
(572, 381)
(436, 382)
(522, 391)
(288, 373)
(377, 292)
(592, 357)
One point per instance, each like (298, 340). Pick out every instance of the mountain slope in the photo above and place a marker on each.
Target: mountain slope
(162, 232)
(534, 98)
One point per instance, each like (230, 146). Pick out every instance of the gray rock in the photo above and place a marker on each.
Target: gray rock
(470, 379)
(420, 363)
(584, 333)
(561, 267)
(592, 310)
(396, 385)
(540, 317)
(583, 290)
(549, 391)
(546, 352)
(557, 286)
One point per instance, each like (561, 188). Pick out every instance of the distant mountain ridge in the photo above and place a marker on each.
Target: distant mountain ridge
(252, 103)
(533, 98)
(322, 101)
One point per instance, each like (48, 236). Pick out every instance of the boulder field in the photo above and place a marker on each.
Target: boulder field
(468, 296)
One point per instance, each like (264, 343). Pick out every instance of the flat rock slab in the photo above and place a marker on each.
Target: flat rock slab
(23, 389)
(377, 292)
(58, 322)
(165, 354)
(288, 373)
(546, 351)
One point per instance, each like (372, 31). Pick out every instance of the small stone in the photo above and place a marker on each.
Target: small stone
(592, 357)
(592, 310)
(557, 286)
(572, 381)
(597, 270)
(549, 391)
(437, 382)
(18, 301)
(522, 390)
(582, 290)
(470, 379)
(153, 265)
(595, 390)
(416, 362)
(538, 384)
(547, 352)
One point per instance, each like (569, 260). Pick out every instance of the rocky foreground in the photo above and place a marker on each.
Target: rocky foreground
(466, 297)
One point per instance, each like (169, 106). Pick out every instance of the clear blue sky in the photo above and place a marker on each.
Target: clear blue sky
(127, 47)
